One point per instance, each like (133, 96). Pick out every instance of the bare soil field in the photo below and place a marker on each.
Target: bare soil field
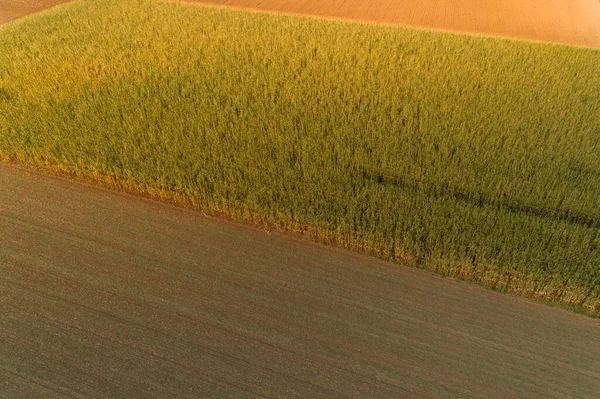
(575, 22)
(109, 295)
(13, 9)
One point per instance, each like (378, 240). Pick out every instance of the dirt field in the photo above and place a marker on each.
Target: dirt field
(13, 9)
(107, 295)
(574, 22)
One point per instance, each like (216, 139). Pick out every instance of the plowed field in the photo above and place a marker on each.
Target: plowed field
(574, 22)
(110, 296)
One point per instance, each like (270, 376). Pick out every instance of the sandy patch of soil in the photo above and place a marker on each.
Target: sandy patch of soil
(13, 9)
(575, 22)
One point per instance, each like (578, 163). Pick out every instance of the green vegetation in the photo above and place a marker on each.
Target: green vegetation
(474, 157)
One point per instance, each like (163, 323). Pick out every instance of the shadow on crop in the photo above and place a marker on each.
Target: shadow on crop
(478, 199)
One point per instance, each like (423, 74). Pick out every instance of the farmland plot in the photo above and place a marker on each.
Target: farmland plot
(574, 22)
(13, 9)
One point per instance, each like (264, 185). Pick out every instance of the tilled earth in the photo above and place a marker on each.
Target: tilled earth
(108, 295)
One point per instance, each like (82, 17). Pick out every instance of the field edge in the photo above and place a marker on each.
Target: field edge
(412, 26)
(569, 298)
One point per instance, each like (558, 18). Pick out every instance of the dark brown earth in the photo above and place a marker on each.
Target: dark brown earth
(13, 9)
(109, 295)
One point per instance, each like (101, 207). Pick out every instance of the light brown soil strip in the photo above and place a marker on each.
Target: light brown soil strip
(574, 22)
(110, 295)
(14, 9)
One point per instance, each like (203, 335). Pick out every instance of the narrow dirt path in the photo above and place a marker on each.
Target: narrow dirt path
(109, 295)
(574, 22)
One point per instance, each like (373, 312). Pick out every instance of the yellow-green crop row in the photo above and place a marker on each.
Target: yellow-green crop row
(474, 157)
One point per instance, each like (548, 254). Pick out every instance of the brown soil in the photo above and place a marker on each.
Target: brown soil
(13, 9)
(110, 295)
(575, 22)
